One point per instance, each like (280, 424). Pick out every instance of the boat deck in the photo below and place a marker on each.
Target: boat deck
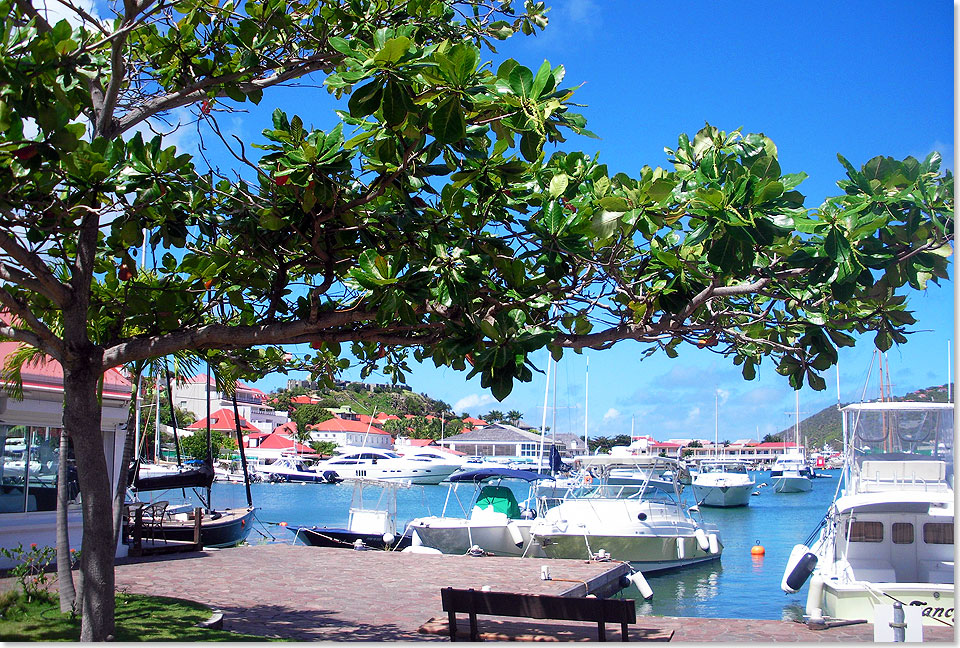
(322, 594)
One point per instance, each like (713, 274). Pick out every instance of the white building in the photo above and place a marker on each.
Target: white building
(191, 395)
(346, 432)
(30, 440)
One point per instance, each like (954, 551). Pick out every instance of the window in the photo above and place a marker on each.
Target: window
(866, 532)
(529, 450)
(902, 533)
(938, 532)
(28, 473)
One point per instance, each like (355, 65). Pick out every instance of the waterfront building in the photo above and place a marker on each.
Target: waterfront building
(30, 431)
(501, 440)
(191, 395)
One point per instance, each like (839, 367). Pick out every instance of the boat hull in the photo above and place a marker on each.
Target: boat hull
(225, 528)
(851, 601)
(649, 554)
(456, 536)
(723, 496)
(795, 484)
(345, 539)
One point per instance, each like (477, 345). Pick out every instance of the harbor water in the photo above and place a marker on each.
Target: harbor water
(739, 585)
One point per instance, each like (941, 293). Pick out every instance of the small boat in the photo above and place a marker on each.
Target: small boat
(495, 524)
(650, 529)
(889, 534)
(722, 483)
(295, 469)
(373, 527)
(221, 528)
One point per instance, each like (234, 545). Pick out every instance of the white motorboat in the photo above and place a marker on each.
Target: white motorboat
(889, 535)
(495, 523)
(296, 469)
(722, 483)
(376, 463)
(653, 531)
(791, 474)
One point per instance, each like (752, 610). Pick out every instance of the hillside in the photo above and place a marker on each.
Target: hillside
(826, 427)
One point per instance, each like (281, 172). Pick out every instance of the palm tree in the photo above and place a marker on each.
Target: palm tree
(493, 416)
(514, 416)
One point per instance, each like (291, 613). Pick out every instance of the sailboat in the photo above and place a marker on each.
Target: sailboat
(790, 473)
(218, 528)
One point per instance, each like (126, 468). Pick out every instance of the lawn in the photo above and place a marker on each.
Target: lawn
(138, 618)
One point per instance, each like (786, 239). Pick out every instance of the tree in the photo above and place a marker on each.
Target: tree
(324, 448)
(429, 221)
(194, 446)
(514, 416)
(494, 416)
(307, 415)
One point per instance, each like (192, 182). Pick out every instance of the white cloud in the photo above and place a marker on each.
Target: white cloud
(53, 12)
(724, 395)
(612, 414)
(472, 402)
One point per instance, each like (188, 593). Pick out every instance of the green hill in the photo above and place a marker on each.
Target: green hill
(826, 426)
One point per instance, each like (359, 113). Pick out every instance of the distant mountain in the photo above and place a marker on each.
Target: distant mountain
(826, 426)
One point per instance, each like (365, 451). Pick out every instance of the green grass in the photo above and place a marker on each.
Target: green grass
(138, 618)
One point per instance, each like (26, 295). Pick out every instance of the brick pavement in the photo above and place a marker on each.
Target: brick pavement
(318, 594)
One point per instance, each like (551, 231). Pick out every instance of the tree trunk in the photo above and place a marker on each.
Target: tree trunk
(128, 443)
(81, 417)
(68, 593)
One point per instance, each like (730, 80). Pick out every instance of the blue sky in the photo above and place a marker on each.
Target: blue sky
(819, 78)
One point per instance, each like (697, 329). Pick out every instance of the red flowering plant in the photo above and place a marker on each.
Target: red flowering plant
(31, 568)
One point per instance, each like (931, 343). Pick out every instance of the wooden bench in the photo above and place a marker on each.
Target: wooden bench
(536, 606)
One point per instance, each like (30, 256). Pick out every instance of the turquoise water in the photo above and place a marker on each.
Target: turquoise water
(736, 586)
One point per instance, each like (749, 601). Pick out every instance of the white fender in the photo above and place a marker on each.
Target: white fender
(714, 543)
(420, 549)
(645, 590)
(416, 540)
(680, 549)
(815, 597)
(702, 540)
(515, 534)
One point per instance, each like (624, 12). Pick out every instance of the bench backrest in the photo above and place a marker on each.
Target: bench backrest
(539, 606)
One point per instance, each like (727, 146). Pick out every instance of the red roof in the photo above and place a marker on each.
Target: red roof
(474, 421)
(48, 373)
(223, 421)
(304, 400)
(421, 442)
(289, 428)
(666, 444)
(279, 442)
(343, 425)
(775, 444)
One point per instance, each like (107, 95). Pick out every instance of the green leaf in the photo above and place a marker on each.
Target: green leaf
(521, 80)
(605, 223)
(660, 189)
(558, 184)
(530, 144)
(393, 50)
(614, 204)
(394, 104)
(541, 81)
(766, 168)
(365, 100)
(447, 122)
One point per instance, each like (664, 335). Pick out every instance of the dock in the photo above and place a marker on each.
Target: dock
(323, 594)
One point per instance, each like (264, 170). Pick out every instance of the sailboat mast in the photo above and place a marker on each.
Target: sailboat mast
(546, 396)
(156, 426)
(716, 424)
(586, 404)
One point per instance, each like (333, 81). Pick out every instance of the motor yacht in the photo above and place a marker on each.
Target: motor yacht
(649, 528)
(888, 536)
(722, 483)
(791, 474)
(376, 463)
(494, 523)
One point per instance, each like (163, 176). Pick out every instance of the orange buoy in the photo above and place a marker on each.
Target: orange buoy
(283, 524)
(757, 549)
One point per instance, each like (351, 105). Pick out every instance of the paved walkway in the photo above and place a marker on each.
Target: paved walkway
(313, 594)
